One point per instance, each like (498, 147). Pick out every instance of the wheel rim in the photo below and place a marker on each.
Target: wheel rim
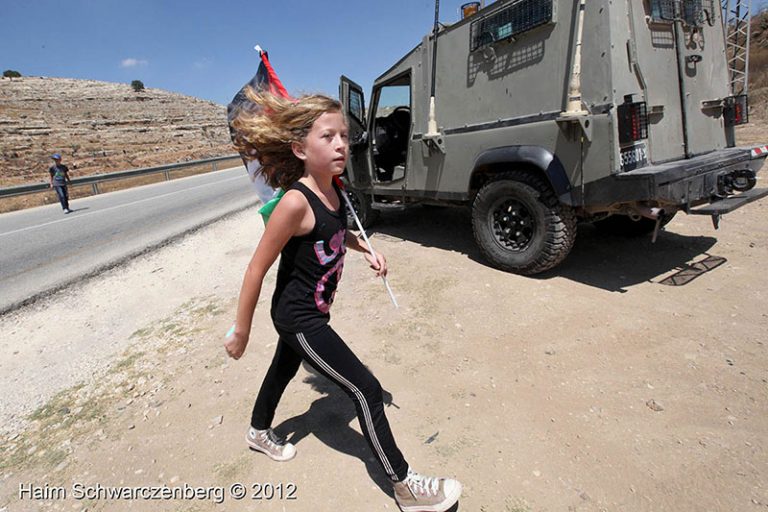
(512, 225)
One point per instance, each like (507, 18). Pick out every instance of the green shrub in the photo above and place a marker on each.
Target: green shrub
(137, 85)
(9, 73)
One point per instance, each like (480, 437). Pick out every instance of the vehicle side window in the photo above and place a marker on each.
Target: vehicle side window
(694, 12)
(508, 22)
(356, 105)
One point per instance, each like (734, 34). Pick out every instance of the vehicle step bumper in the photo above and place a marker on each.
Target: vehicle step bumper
(670, 172)
(685, 183)
(389, 207)
(731, 203)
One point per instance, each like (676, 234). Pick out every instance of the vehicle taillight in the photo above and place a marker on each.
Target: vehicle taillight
(736, 110)
(633, 120)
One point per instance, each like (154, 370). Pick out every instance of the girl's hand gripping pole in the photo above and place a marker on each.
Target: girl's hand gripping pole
(368, 243)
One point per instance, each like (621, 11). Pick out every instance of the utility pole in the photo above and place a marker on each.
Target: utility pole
(736, 29)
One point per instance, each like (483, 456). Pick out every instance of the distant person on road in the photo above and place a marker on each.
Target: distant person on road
(59, 178)
(302, 147)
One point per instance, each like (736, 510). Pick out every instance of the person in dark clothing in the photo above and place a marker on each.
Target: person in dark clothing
(59, 174)
(302, 147)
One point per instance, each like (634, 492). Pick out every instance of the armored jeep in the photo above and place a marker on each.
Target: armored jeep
(553, 112)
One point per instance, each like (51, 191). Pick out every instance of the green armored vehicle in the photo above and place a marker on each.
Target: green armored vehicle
(543, 113)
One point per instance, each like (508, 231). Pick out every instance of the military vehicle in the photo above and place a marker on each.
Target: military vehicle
(539, 114)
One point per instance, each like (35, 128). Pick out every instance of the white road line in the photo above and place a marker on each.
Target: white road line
(80, 216)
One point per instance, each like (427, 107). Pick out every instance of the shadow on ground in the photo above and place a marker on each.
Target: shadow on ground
(604, 261)
(328, 419)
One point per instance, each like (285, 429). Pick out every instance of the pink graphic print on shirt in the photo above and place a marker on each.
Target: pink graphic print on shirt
(337, 247)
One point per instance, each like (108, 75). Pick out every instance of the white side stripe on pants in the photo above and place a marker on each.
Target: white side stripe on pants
(357, 393)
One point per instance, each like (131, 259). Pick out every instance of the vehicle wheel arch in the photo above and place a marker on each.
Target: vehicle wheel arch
(530, 159)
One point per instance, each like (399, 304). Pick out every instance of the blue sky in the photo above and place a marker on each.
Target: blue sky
(204, 48)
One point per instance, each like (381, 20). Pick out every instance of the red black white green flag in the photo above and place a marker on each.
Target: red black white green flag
(265, 79)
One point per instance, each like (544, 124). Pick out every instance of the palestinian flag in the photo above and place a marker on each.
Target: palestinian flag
(265, 79)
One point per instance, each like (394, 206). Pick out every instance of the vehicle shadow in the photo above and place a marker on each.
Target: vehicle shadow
(604, 261)
(328, 419)
(615, 263)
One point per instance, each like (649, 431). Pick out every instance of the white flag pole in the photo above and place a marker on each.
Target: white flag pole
(368, 243)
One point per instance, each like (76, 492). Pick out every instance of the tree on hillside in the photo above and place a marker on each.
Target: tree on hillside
(137, 85)
(10, 73)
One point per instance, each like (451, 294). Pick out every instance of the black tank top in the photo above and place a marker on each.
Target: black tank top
(310, 268)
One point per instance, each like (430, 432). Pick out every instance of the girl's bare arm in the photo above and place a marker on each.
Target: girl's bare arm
(285, 222)
(353, 242)
(379, 264)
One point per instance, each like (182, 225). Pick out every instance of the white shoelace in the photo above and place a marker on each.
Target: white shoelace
(424, 485)
(269, 437)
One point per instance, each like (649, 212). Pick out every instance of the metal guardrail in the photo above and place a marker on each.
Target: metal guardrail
(95, 179)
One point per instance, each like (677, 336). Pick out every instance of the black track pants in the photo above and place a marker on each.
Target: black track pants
(327, 353)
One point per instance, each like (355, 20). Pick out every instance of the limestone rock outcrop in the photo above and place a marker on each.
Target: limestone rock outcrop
(101, 127)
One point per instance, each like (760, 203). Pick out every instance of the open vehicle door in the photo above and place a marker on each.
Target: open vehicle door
(358, 164)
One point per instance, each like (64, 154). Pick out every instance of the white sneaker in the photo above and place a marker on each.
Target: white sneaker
(419, 493)
(268, 443)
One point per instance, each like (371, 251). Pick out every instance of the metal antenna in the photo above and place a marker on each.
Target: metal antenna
(432, 123)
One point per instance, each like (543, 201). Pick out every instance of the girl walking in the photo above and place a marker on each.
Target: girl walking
(302, 146)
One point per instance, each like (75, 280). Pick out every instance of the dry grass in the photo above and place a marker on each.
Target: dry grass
(86, 411)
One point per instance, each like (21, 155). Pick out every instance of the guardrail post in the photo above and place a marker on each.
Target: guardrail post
(95, 187)
(215, 166)
(167, 175)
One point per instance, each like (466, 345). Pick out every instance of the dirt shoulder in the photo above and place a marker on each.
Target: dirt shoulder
(630, 378)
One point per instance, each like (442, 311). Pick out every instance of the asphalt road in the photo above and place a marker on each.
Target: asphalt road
(42, 249)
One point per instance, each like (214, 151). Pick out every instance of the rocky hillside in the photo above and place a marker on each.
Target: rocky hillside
(756, 131)
(758, 65)
(101, 127)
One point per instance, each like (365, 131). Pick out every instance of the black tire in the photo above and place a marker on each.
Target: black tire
(362, 204)
(544, 229)
(623, 225)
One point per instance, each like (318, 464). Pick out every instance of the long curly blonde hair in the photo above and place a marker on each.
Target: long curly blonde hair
(267, 132)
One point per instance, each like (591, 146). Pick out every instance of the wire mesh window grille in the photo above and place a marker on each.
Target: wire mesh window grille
(508, 22)
(356, 105)
(663, 10)
(692, 12)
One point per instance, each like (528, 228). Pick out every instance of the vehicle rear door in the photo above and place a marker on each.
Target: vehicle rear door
(704, 74)
(358, 163)
(655, 64)
(678, 52)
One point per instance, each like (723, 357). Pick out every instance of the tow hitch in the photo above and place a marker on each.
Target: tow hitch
(736, 181)
(725, 200)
